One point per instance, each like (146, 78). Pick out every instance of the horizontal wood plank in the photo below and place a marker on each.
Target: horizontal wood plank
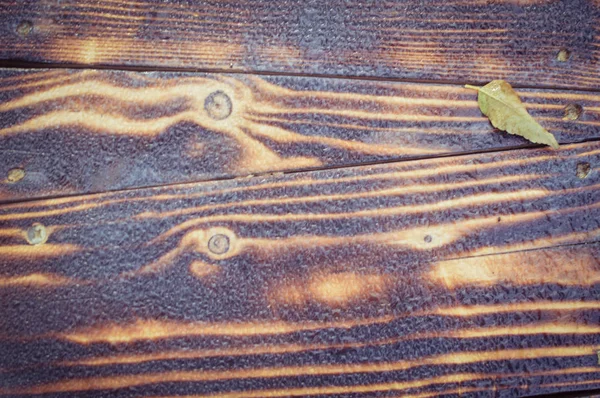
(476, 274)
(68, 131)
(454, 40)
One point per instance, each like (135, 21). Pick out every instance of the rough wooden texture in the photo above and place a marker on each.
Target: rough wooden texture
(453, 40)
(92, 131)
(475, 275)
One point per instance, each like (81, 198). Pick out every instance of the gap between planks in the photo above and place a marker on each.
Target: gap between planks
(17, 64)
(286, 172)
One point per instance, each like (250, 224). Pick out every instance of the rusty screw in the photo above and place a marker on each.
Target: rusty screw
(24, 28)
(15, 175)
(572, 112)
(37, 234)
(563, 55)
(218, 105)
(583, 169)
(218, 244)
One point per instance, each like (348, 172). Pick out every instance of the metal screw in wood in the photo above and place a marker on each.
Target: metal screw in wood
(37, 234)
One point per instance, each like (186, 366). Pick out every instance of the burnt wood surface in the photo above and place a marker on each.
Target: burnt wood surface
(297, 198)
(73, 132)
(457, 40)
(475, 275)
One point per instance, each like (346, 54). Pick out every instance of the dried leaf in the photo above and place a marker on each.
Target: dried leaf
(499, 102)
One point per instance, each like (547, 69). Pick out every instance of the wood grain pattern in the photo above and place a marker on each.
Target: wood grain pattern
(474, 275)
(455, 40)
(91, 131)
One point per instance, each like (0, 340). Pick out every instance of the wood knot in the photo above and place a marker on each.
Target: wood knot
(219, 244)
(218, 105)
(15, 175)
(37, 234)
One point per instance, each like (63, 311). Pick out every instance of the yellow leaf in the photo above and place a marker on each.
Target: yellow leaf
(501, 104)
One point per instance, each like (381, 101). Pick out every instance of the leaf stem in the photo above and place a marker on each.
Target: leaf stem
(472, 87)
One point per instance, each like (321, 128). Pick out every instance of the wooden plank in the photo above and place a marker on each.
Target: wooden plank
(471, 274)
(456, 40)
(90, 131)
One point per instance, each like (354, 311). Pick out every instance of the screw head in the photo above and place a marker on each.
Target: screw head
(24, 28)
(427, 238)
(218, 105)
(563, 55)
(37, 234)
(15, 175)
(572, 112)
(218, 244)
(583, 169)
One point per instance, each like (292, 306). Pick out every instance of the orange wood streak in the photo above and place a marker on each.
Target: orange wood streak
(478, 199)
(431, 167)
(343, 288)
(475, 310)
(398, 386)
(41, 280)
(284, 136)
(97, 383)
(409, 97)
(557, 327)
(334, 289)
(196, 240)
(129, 381)
(52, 212)
(33, 81)
(572, 384)
(292, 392)
(197, 354)
(369, 388)
(80, 50)
(588, 153)
(33, 76)
(200, 269)
(521, 268)
(154, 329)
(550, 241)
(46, 250)
(397, 191)
(347, 104)
(11, 233)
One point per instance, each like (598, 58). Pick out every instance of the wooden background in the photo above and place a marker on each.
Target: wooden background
(411, 39)
(474, 272)
(113, 130)
(296, 198)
